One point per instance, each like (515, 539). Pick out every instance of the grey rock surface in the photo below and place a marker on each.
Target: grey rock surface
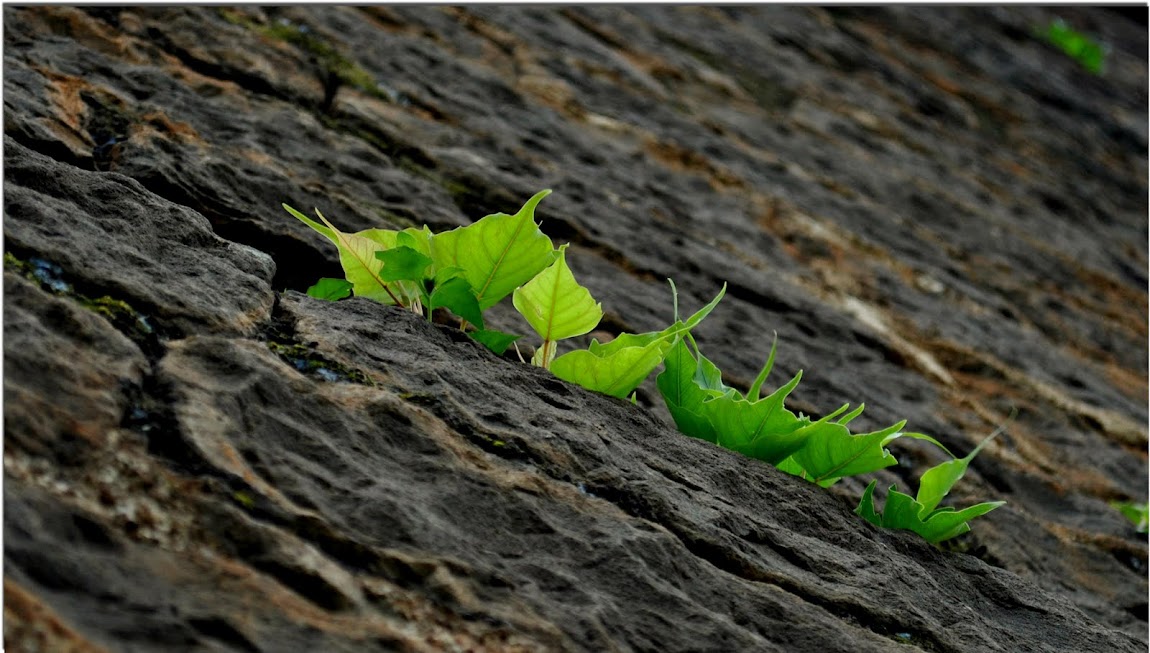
(939, 214)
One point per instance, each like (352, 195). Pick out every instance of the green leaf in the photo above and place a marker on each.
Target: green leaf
(1080, 47)
(901, 511)
(443, 275)
(703, 407)
(757, 384)
(831, 452)
(682, 395)
(330, 289)
(402, 263)
(762, 429)
(1137, 513)
(707, 374)
(456, 295)
(417, 239)
(937, 481)
(619, 366)
(616, 373)
(942, 525)
(385, 237)
(702, 313)
(866, 508)
(499, 252)
(357, 256)
(926, 438)
(496, 341)
(327, 233)
(791, 467)
(556, 306)
(626, 340)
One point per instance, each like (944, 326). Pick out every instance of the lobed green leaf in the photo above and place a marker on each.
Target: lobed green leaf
(831, 452)
(498, 253)
(937, 481)
(903, 512)
(616, 373)
(683, 395)
(556, 306)
(762, 429)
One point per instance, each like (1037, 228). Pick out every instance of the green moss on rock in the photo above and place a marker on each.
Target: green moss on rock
(314, 364)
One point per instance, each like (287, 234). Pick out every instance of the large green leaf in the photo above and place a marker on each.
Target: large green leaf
(556, 306)
(498, 253)
(616, 373)
(762, 429)
(831, 452)
(357, 257)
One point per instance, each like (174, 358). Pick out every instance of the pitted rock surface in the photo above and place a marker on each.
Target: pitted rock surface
(939, 214)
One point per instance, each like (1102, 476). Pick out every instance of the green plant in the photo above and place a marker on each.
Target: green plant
(1078, 46)
(470, 269)
(921, 514)
(618, 367)
(822, 451)
(466, 270)
(1137, 513)
(557, 307)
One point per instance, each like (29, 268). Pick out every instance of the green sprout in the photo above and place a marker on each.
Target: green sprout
(1078, 46)
(921, 514)
(1137, 513)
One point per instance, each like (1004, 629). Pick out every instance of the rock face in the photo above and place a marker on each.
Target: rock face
(938, 213)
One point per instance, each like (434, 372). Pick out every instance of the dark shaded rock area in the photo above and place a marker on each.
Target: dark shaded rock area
(940, 215)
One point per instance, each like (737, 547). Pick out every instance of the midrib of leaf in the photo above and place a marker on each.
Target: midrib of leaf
(766, 417)
(620, 376)
(552, 312)
(830, 473)
(347, 245)
(678, 388)
(498, 262)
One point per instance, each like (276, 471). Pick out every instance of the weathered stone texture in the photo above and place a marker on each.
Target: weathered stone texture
(939, 214)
